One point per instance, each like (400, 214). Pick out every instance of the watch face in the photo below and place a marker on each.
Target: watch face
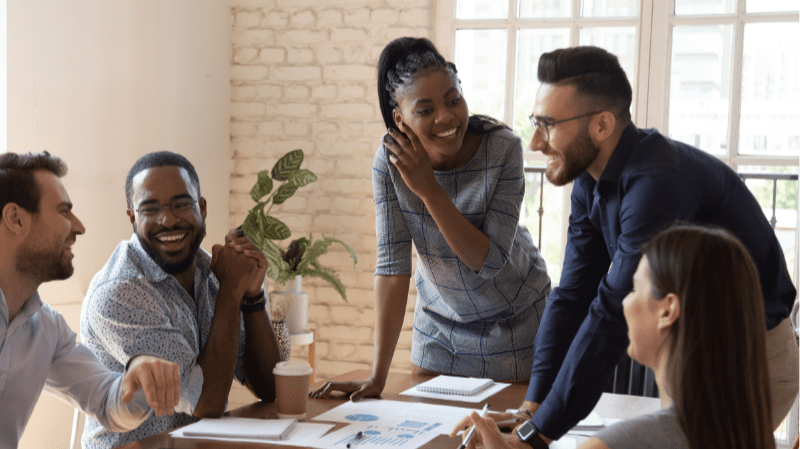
(526, 431)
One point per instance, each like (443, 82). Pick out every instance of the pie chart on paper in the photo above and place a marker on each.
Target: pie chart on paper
(361, 417)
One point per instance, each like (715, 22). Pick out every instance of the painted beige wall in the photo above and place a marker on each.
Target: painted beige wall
(100, 83)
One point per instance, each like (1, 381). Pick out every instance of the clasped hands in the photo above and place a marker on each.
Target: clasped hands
(240, 264)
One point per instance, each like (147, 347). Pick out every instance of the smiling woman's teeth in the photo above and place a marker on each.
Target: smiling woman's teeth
(447, 133)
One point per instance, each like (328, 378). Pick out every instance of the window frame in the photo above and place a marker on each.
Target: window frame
(653, 64)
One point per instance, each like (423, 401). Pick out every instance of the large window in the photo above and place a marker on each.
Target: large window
(723, 75)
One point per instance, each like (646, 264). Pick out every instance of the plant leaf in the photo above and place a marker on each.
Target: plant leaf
(262, 187)
(287, 165)
(328, 275)
(274, 229)
(283, 193)
(302, 178)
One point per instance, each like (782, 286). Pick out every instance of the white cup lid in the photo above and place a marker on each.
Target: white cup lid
(293, 368)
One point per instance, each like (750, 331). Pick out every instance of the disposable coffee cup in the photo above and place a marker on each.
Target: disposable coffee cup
(292, 379)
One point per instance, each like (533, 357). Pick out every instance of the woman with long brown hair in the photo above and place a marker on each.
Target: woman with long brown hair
(696, 317)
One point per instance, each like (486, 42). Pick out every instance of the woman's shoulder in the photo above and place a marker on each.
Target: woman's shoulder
(660, 429)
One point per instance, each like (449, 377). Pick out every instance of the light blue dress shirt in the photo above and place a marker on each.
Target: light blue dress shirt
(134, 307)
(39, 351)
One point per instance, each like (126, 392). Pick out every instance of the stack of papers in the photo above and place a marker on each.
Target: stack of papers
(241, 428)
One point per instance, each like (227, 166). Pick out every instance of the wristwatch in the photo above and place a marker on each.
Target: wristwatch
(256, 304)
(529, 434)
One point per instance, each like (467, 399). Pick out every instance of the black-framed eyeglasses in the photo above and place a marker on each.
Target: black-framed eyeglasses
(180, 207)
(544, 126)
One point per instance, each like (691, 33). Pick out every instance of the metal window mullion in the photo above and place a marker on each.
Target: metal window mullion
(574, 27)
(787, 161)
(511, 62)
(643, 57)
(736, 86)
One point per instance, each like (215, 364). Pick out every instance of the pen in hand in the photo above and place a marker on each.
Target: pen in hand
(355, 439)
(472, 429)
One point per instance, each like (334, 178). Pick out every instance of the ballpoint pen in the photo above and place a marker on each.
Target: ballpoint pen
(355, 439)
(472, 430)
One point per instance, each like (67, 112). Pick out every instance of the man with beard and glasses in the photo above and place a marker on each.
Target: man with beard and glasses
(629, 184)
(161, 294)
(38, 351)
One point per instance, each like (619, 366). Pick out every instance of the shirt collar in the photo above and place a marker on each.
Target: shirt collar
(32, 305)
(616, 163)
(152, 271)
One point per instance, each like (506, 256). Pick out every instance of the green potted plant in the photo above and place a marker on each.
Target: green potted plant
(287, 267)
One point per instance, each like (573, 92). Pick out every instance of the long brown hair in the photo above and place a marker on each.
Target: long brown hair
(717, 373)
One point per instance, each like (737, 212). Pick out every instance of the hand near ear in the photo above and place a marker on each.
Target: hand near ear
(412, 161)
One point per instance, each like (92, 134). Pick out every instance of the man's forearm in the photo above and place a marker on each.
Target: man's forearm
(261, 353)
(218, 357)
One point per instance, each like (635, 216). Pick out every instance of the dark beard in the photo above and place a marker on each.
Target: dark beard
(43, 265)
(582, 152)
(176, 267)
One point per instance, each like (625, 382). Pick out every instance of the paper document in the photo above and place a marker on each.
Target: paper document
(407, 415)
(303, 434)
(376, 436)
(227, 426)
(593, 421)
(478, 397)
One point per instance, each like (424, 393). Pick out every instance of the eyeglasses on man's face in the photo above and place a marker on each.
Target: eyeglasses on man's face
(544, 125)
(180, 207)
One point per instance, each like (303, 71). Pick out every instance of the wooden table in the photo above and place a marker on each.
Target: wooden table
(610, 406)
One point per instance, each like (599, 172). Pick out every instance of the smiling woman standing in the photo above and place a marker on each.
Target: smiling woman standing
(453, 185)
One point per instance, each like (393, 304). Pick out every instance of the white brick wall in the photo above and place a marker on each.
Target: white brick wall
(303, 76)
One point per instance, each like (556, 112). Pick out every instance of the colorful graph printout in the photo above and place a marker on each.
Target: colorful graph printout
(376, 436)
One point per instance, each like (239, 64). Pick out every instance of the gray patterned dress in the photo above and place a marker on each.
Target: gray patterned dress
(465, 323)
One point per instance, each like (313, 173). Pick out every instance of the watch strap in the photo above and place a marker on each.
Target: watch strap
(254, 300)
(531, 436)
(257, 307)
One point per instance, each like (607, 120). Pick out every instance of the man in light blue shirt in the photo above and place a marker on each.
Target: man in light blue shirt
(37, 349)
(160, 293)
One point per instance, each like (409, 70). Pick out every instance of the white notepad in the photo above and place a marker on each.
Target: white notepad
(461, 386)
(249, 428)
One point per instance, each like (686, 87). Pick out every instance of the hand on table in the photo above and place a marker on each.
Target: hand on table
(357, 389)
(160, 380)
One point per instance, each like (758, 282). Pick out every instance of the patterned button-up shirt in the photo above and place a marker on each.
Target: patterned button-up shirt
(134, 307)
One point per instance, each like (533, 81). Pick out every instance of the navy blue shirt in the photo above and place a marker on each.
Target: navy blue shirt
(649, 183)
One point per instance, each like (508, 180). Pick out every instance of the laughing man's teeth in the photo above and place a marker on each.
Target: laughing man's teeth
(447, 133)
(171, 238)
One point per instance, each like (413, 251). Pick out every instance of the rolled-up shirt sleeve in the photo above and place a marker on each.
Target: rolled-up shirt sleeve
(129, 328)
(78, 378)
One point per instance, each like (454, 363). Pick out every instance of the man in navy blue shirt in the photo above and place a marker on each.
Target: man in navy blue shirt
(629, 184)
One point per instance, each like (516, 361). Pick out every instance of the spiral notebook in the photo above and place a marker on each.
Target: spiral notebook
(461, 386)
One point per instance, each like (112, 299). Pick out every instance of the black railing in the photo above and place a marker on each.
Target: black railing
(774, 177)
(540, 211)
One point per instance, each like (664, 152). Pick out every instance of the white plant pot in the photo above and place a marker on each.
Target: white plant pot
(297, 312)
